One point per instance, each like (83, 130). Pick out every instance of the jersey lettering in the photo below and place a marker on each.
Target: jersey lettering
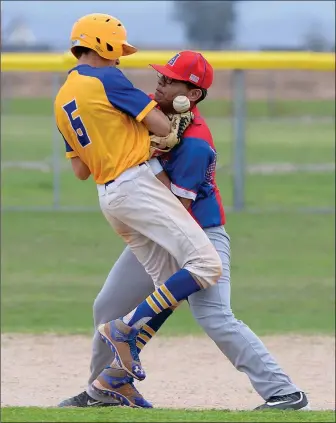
(77, 123)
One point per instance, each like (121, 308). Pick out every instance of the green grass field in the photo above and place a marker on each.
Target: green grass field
(282, 271)
(271, 145)
(128, 415)
(283, 264)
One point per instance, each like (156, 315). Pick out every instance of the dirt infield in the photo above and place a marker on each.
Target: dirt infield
(182, 372)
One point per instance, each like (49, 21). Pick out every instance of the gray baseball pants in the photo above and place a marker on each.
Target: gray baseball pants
(128, 284)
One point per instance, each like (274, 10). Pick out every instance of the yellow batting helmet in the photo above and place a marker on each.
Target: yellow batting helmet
(102, 33)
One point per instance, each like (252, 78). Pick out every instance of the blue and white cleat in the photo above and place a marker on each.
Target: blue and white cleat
(116, 383)
(122, 340)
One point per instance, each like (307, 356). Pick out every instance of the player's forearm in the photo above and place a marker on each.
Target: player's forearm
(157, 123)
(164, 178)
(186, 202)
(159, 172)
(80, 169)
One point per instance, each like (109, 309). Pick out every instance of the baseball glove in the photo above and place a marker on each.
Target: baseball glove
(179, 123)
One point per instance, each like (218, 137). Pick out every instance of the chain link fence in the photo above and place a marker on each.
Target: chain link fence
(274, 132)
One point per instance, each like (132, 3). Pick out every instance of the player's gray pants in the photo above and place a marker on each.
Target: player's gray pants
(128, 284)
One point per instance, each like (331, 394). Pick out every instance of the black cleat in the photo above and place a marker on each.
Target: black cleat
(84, 400)
(295, 401)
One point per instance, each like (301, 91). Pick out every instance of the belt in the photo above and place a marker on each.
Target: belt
(113, 180)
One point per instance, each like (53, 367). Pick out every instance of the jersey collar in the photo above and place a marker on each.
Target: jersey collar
(77, 67)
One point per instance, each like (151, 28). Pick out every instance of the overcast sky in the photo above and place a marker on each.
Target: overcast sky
(259, 23)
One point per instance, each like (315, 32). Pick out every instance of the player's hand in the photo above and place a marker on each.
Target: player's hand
(179, 123)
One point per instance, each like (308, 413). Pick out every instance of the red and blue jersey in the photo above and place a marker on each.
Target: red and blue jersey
(191, 167)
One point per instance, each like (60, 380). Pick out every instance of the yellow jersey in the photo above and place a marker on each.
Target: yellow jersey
(99, 112)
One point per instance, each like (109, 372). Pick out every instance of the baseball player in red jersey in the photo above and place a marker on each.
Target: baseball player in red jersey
(189, 172)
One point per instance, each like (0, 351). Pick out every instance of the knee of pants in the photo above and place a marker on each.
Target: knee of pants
(97, 311)
(208, 270)
(216, 323)
(103, 310)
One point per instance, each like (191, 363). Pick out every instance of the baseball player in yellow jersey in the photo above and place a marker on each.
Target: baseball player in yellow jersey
(105, 122)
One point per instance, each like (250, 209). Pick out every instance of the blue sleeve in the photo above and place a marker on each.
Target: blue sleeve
(189, 165)
(68, 149)
(124, 96)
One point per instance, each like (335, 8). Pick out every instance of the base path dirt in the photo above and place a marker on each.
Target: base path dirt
(188, 372)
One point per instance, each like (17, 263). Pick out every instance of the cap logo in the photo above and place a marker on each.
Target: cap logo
(193, 78)
(173, 59)
(75, 43)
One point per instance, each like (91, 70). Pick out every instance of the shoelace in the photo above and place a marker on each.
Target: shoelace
(281, 398)
(82, 397)
(133, 349)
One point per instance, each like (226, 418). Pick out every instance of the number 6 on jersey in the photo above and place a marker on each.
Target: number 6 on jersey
(77, 123)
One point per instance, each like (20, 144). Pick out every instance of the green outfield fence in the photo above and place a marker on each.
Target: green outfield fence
(272, 115)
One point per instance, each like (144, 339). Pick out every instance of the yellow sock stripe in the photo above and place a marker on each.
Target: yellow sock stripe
(152, 305)
(141, 340)
(166, 299)
(140, 345)
(160, 299)
(143, 337)
(149, 329)
(157, 302)
(144, 331)
(169, 296)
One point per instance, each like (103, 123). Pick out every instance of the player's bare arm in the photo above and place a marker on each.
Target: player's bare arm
(157, 123)
(80, 169)
(185, 202)
(164, 178)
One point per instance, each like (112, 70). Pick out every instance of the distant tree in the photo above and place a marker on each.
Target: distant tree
(208, 24)
(315, 40)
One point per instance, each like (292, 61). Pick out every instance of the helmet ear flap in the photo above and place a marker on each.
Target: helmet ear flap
(102, 46)
(116, 48)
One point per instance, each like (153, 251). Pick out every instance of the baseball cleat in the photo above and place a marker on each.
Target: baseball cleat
(122, 340)
(295, 401)
(84, 400)
(116, 383)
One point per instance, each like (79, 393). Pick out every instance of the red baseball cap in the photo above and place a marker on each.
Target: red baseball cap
(188, 66)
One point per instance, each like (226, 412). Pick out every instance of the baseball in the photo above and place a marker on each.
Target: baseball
(181, 104)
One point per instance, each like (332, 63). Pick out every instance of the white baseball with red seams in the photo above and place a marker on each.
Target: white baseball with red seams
(181, 104)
